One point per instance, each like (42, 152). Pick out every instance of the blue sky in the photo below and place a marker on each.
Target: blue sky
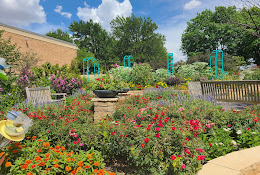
(171, 16)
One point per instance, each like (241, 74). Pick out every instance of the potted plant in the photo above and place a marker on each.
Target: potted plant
(105, 87)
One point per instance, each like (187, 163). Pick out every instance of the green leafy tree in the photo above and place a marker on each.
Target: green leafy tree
(136, 36)
(59, 34)
(214, 30)
(94, 39)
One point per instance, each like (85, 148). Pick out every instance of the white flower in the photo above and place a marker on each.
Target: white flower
(220, 143)
(234, 143)
(239, 132)
(227, 129)
(253, 132)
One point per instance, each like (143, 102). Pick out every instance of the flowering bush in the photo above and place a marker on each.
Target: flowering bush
(141, 74)
(26, 79)
(39, 157)
(64, 84)
(121, 73)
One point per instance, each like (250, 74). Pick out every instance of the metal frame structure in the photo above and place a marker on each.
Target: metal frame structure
(95, 63)
(214, 54)
(170, 64)
(130, 59)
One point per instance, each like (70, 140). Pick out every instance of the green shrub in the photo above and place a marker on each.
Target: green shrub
(141, 74)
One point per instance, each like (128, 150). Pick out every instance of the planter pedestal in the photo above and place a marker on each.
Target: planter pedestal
(104, 107)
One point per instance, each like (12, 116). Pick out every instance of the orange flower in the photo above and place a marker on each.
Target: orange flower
(8, 164)
(28, 162)
(96, 164)
(79, 168)
(112, 173)
(73, 172)
(87, 167)
(95, 170)
(46, 159)
(29, 173)
(51, 148)
(56, 166)
(68, 168)
(47, 155)
(38, 158)
(39, 140)
(28, 137)
(14, 151)
(80, 164)
(10, 147)
(24, 166)
(89, 156)
(63, 148)
(42, 164)
(57, 147)
(72, 153)
(73, 159)
(57, 151)
(101, 171)
(34, 137)
(46, 144)
(68, 159)
(33, 166)
(1, 154)
(17, 143)
(39, 151)
(48, 169)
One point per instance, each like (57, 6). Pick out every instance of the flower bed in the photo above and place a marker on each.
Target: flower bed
(161, 132)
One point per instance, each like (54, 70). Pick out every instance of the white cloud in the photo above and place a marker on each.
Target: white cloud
(21, 12)
(192, 4)
(58, 10)
(105, 12)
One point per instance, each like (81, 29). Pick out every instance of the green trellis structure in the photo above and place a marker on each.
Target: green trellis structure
(170, 64)
(130, 60)
(218, 71)
(95, 62)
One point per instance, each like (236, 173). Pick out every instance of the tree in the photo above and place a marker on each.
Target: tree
(94, 39)
(213, 30)
(59, 34)
(136, 36)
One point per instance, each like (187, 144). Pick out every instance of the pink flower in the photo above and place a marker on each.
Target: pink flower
(81, 144)
(101, 85)
(210, 144)
(173, 157)
(181, 108)
(183, 166)
(157, 135)
(157, 129)
(199, 149)
(202, 157)
(146, 140)
(75, 142)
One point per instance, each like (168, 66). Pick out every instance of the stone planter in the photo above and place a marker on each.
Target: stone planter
(105, 93)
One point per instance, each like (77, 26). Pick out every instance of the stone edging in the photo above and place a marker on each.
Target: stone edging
(244, 162)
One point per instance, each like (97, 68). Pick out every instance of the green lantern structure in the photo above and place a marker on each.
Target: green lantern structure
(129, 59)
(96, 64)
(170, 64)
(219, 72)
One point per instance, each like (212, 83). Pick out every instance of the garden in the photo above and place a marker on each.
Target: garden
(163, 131)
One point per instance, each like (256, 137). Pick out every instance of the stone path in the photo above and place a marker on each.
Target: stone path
(244, 162)
(234, 105)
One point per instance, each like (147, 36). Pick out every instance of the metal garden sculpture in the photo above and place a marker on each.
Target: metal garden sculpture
(130, 60)
(218, 72)
(170, 64)
(96, 64)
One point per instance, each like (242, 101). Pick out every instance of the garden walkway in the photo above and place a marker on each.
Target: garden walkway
(244, 162)
(234, 105)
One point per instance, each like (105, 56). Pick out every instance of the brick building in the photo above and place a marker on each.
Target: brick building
(48, 49)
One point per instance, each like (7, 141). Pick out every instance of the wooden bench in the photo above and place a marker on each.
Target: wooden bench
(42, 95)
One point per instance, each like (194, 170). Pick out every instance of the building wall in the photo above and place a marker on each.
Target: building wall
(47, 49)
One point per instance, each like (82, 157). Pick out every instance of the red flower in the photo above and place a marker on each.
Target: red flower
(97, 79)
(173, 157)
(157, 135)
(173, 128)
(142, 145)
(210, 144)
(112, 133)
(101, 85)
(157, 129)
(146, 140)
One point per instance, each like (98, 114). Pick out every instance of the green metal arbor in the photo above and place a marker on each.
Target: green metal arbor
(95, 62)
(218, 71)
(170, 64)
(129, 59)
